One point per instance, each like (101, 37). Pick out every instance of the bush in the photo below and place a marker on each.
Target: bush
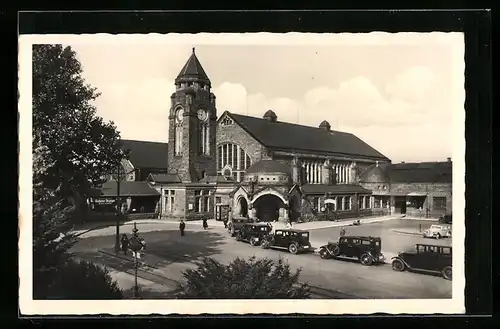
(243, 279)
(83, 280)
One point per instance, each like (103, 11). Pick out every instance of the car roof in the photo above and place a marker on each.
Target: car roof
(431, 245)
(292, 230)
(362, 237)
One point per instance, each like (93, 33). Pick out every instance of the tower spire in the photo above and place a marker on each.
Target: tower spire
(192, 70)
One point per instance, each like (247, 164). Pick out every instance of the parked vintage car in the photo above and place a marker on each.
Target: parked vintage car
(253, 232)
(293, 240)
(438, 232)
(425, 258)
(366, 249)
(446, 219)
(235, 225)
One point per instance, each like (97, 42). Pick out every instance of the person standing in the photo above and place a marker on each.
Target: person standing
(124, 243)
(342, 231)
(182, 227)
(205, 224)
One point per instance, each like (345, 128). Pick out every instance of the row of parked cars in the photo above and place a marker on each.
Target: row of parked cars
(367, 249)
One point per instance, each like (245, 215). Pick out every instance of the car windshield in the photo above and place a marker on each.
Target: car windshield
(304, 234)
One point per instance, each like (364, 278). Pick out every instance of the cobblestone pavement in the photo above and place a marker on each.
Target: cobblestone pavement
(168, 255)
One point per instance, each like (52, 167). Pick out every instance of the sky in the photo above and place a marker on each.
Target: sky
(397, 92)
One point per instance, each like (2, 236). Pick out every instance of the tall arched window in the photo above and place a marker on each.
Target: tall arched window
(178, 134)
(233, 161)
(204, 138)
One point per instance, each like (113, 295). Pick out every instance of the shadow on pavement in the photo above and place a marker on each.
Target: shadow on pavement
(163, 248)
(173, 248)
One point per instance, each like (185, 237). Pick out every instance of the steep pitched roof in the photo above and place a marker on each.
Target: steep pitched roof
(147, 154)
(268, 166)
(164, 178)
(217, 179)
(335, 189)
(192, 69)
(294, 137)
(419, 172)
(127, 188)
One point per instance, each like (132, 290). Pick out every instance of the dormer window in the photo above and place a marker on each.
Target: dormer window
(226, 121)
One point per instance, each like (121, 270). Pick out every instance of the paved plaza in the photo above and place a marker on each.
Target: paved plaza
(168, 255)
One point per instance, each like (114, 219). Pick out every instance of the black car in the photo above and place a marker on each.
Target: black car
(295, 241)
(236, 224)
(365, 248)
(425, 258)
(446, 219)
(253, 232)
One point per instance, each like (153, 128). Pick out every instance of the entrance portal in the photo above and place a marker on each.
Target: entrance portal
(243, 207)
(400, 205)
(267, 207)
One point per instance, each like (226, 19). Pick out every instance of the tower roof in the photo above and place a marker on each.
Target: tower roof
(192, 70)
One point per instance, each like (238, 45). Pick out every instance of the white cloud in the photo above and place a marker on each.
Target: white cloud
(408, 109)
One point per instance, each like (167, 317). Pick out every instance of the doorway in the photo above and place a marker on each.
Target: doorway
(267, 207)
(400, 205)
(243, 207)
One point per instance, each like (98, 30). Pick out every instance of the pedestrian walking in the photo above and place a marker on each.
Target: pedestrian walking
(342, 231)
(205, 224)
(182, 227)
(124, 243)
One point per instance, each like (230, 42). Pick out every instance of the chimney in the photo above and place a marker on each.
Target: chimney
(271, 116)
(325, 125)
(449, 159)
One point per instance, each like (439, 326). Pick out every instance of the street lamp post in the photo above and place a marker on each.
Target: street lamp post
(119, 172)
(136, 245)
(119, 210)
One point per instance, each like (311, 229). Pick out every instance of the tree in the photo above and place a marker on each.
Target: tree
(84, 280)
(80, 147)
(72, 151)
(243, 279)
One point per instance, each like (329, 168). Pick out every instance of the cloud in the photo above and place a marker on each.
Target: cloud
(409, 108)
(356, 102)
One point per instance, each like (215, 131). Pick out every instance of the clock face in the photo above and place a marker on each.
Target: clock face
(180, 115)
(202, 115)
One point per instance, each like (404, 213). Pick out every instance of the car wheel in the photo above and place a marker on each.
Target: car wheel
(336, 250)
(293, 249)
(253, 241)
(366, 259)
(447, 272)
(438, 236)
(398, 265)
(324, 254)
(265, 244)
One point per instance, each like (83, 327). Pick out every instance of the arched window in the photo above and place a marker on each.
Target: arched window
(204, 138)
(178, 134)
(233, 161)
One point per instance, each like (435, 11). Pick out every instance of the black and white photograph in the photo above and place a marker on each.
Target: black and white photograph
(239, 173)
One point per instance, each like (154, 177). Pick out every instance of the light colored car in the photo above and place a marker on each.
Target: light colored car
(438, 231)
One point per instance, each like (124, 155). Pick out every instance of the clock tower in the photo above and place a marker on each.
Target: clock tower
(192, 124)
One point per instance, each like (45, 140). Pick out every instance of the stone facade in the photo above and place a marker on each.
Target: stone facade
(230, 132)
(190, 164)
(419, 199)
